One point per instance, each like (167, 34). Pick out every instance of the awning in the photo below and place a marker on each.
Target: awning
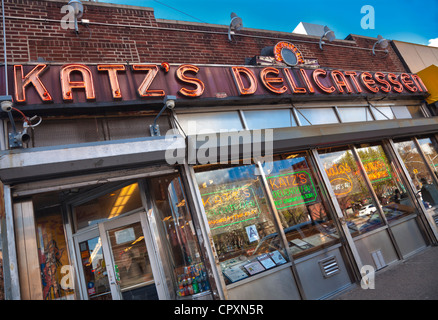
(430, 78)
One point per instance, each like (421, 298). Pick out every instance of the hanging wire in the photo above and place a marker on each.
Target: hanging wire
(179, 11)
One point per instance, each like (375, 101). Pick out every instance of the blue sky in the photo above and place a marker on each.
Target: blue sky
(405, 20)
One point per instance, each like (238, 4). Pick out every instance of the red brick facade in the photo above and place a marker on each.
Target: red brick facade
(122, 33)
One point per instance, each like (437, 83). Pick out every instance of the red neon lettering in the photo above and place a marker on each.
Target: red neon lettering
(396, 86)
(113, 78)
(67, 85)
(380, 78)
(268, 81)
(419, 83)
(143, 90)
(407, 82)
(340, 81)
(196, 82)
(291, 81)
(307, 81)
(237, 72)
(367, 81)
(21, 82)
(318, 72)
(354, 81)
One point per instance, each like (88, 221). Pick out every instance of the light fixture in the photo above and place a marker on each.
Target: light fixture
(235, 25)
(328, 34)
(382, 42)
(169, 102)
(78, 11)
(16, 139)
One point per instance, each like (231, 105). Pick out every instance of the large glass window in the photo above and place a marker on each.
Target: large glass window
(210, 122)
(386, 182)
(314, 116)
(429, 146)
(240, 221)
(176, 226)
(56, 271)
(108, 206)
(418, 171)
(261, 119)
(299, 200)
(355, 114)
(350, 189)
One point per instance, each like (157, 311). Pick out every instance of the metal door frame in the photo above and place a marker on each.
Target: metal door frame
(101, 230)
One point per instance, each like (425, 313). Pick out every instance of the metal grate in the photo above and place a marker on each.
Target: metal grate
(329, 266)
(435, 218)
(379, 261)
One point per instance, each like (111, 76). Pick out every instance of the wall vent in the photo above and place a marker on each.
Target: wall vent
(329, 266)
(435, 218)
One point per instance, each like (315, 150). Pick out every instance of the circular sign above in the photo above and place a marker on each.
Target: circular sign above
(286, 52)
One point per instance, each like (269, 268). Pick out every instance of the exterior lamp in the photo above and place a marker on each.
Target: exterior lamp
(169, 102)
(235, 25)
(328, 34)
(78, 11)
(383, 43)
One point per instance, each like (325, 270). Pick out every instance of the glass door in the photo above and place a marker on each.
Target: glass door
(117, 261)
(134, 267)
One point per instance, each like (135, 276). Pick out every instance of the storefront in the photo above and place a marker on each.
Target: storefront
(197, 181)
(350, 181)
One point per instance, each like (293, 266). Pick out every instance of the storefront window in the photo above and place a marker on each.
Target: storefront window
(418, 171)
(261, 119)
(56, 271)
(108, 206)
(355, 114)
(175, 223)
(240, 221)
(386, 182)
(350, 190)
(314, 116)
(382, 113)
(299, 201)
(209, 122)
(429, 146)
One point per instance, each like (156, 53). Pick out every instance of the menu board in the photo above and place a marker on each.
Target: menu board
(235, 274)
(254, 267)
(266, 261)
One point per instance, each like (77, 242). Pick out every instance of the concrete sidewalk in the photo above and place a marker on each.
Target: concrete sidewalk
(416, 278)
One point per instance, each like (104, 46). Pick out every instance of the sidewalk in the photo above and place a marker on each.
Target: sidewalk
(413, 279)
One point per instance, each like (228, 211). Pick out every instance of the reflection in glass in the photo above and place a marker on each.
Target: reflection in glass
(209, 122)
(418, 171)
(314, 116)
(240, 221)
(131, 263)
(304, 216)
(382, 113)
(176, 226)
(386, 182)
(350, 190)
(261, 119)
(355, 114)
(93, 264)
(108, 206)
(429, 146)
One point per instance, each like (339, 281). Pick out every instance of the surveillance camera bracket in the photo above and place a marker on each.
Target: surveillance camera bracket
(155, 128)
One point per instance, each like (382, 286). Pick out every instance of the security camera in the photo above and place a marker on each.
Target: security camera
(169, 101)
(170, 104)
(6, 106)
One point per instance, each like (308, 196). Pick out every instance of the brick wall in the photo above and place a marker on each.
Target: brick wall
(122, 33)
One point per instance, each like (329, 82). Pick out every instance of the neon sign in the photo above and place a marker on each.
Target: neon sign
(230, 206)
(104, 84)
(377, 170)
(292, 189)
